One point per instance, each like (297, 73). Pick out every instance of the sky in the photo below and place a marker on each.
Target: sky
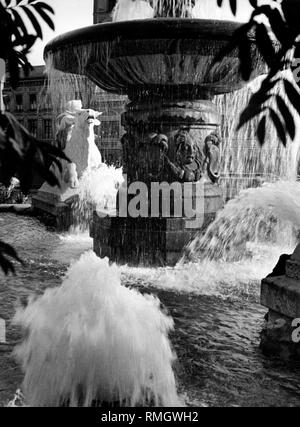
(69, 15)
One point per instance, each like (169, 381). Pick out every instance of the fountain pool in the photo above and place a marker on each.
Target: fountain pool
(217, 319)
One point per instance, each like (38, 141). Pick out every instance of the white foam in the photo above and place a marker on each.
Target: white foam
(93, 339)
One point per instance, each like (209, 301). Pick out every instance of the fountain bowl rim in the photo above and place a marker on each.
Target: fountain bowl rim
(171, 28)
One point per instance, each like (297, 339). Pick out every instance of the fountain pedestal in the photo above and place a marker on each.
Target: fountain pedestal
(281, 295)
(57, 204)
(149, 241)
(167, 141)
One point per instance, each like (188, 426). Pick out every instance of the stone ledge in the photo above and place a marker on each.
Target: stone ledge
(282, 295)
(15, 208)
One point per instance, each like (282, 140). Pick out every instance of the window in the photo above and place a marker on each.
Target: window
(48, 104)
(47, 129)
(32, 127)
(32, 101)
(19, 102)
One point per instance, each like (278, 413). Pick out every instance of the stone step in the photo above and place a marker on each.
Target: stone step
(282, 295)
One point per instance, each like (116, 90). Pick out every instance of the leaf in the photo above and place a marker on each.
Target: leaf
(34, 21)
(13, 68)
(246, 67)
(27, 41)
(265, 45)
(250, 113)
(279, 126)
(269, 83)
(46, 7)
(288, 117)
(7, 251)
(253, 3)
(234, 42)
(233, 6)
(9, 25)
(276, 20)
(259, 98)
(19, 22)
(293, 94)
(261, 131)
(39, 9)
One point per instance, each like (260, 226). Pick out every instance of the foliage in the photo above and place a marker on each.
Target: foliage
(21, 154)
(16, 38)
(6, 252)
(275, 28)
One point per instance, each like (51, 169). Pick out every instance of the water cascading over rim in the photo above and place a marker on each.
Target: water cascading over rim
(166, 67)
(154, 55)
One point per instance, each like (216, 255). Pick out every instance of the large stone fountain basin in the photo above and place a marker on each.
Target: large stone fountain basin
(153, 55)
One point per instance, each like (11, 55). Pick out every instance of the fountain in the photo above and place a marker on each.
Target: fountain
(166, 67)
(93, 341)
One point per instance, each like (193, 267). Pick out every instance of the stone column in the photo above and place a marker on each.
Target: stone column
(143, 120)
(172, 140)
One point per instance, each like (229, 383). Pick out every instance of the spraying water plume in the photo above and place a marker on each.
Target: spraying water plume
(94, 342)
(267, 215)
(97, 190)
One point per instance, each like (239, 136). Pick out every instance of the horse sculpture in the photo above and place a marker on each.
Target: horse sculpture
(75, 136)
(81, 148)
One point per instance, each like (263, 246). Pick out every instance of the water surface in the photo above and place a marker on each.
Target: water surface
(216, 335)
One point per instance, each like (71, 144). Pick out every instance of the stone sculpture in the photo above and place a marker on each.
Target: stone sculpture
(212, 156)
(81, 148)
(187, 166)
(75, 136)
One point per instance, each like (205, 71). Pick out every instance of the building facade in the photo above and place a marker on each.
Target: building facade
(28, 104)
(32, 109)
